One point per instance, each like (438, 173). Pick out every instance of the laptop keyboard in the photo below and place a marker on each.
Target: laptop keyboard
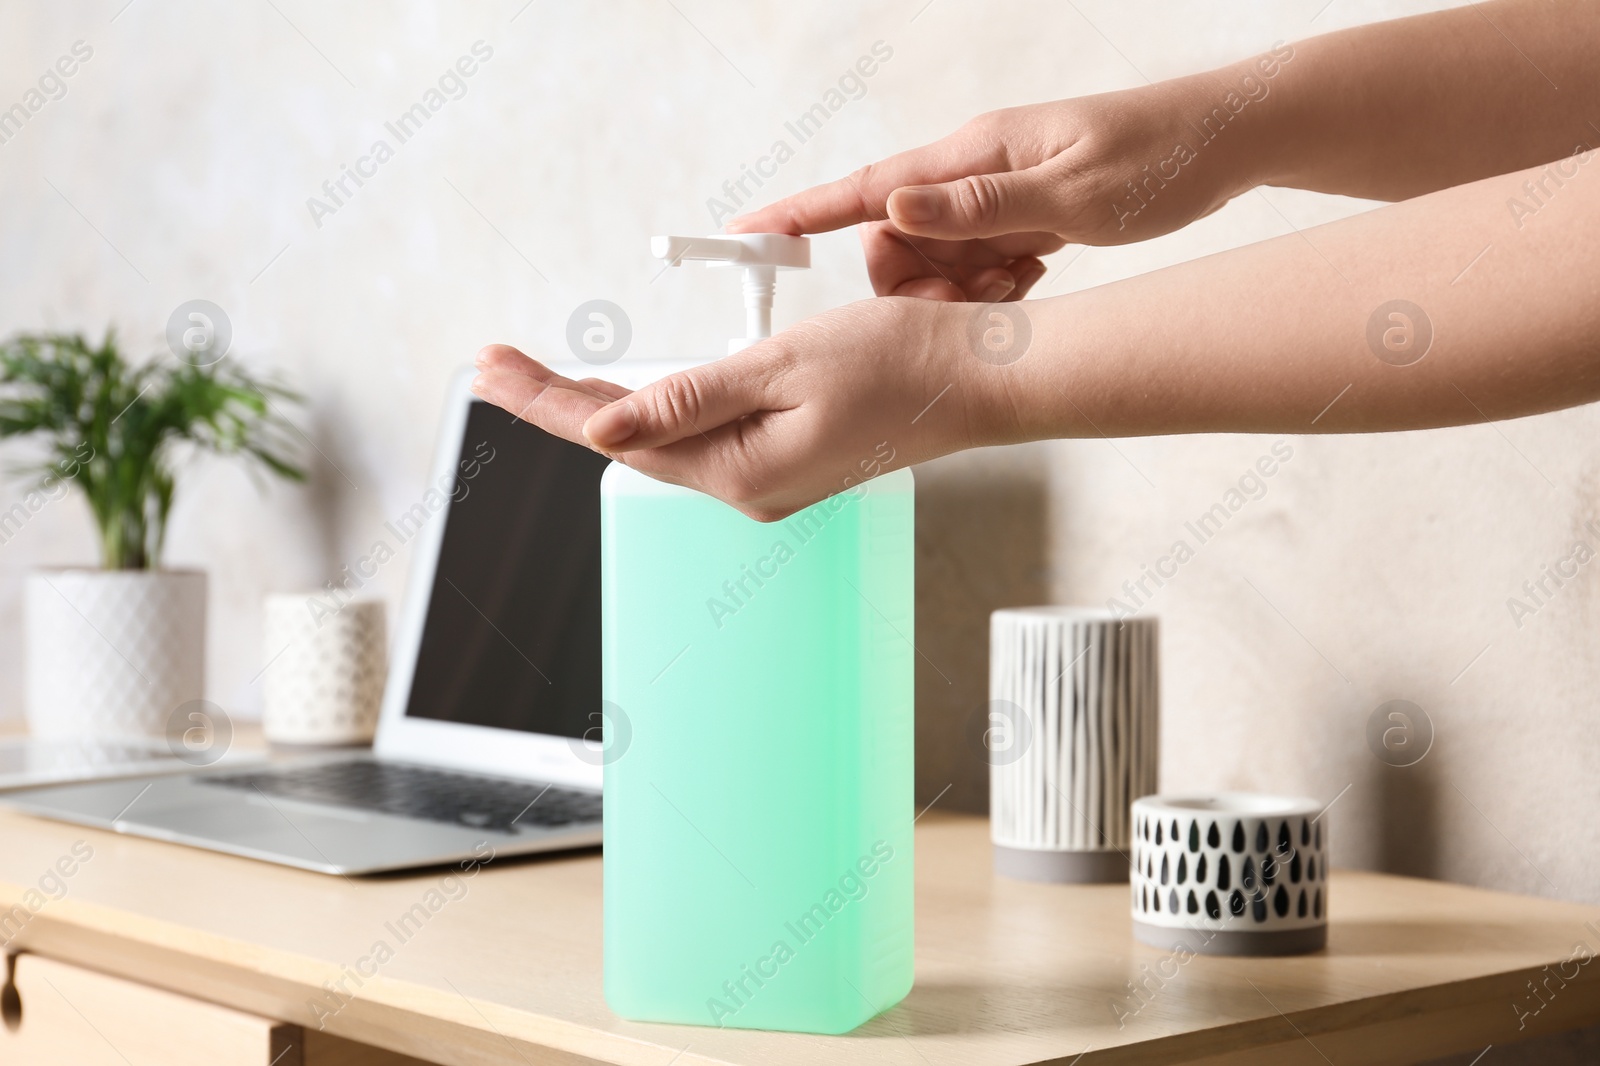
(415, 792)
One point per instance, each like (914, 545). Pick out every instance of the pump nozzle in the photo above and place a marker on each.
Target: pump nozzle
(761, 255)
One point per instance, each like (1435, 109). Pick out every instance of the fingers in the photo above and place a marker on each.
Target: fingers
(978, 205)
(1026, 273)
(894, 264)
(1007, 283)
(929, 289)
(860, 197)
(712, 463)
(987, 272)
(551, 406)
(687, 429)
(609, 390)
(898, 267)
(688, 404)
(992, 286)
(695, 407)
(506, 358)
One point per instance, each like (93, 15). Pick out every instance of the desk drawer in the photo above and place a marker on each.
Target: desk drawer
(55, 1014)
(68, 1014)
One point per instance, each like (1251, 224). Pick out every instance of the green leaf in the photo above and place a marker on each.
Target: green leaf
(110, 427)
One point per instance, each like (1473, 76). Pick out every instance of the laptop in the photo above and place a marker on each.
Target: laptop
(489, 739)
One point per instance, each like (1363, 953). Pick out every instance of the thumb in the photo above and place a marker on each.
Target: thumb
(686, 404)
(980, 205)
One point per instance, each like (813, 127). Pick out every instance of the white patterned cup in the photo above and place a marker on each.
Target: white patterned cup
(1230, 873)
(323, 683)
(1071, 737)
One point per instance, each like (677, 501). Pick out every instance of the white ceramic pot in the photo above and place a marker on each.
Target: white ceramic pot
(113, 652)
(1230, 873)
(323, 683)
(1073, 720)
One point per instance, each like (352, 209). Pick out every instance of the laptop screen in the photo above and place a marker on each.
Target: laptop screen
(512, 637)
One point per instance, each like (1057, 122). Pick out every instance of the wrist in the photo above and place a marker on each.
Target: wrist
(989, 351)
(1250, 105)
(1066, 384)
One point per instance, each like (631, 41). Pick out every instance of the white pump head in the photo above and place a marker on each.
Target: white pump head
(761, 255)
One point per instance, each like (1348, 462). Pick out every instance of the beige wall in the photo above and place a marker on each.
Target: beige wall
(185, 149)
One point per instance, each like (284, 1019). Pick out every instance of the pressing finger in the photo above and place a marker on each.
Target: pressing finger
(861, 196)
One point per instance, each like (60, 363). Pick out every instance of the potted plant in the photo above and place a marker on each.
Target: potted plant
(117, 650)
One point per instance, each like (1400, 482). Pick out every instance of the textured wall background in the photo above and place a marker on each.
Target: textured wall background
(179, 162)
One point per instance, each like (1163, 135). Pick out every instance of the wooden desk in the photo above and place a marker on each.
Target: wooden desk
(509, 972)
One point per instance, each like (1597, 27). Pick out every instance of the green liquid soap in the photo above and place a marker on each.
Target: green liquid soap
(758, 746)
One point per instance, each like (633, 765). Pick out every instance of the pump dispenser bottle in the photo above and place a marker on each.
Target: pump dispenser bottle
(758, 777)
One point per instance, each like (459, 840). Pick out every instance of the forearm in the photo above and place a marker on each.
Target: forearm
(1274, 337)
(1397, 109)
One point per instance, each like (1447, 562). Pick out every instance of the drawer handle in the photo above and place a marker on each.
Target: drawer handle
(10, 998)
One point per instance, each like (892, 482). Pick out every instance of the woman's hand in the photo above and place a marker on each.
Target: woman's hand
(968, 217)
(840, 398)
